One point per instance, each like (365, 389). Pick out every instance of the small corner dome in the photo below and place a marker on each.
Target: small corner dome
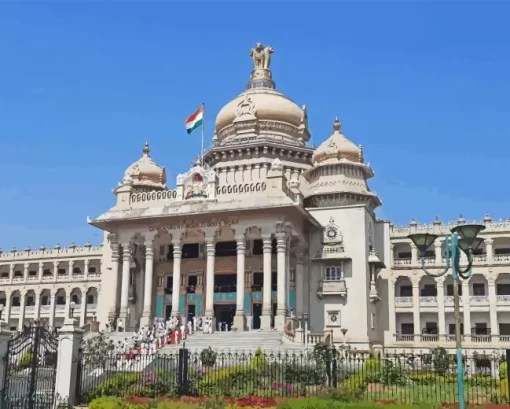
(337, 148)
(145, 172)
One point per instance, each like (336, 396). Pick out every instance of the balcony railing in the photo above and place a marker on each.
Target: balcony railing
(403, 300)
(428, 300)
(450, 338)
(503, 298)
(479, 299)
(431, 261)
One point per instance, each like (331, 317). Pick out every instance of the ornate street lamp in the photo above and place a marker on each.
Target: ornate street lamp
(463, 237)
(72, 306)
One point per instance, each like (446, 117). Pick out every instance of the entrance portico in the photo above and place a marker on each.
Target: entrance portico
(238, 297)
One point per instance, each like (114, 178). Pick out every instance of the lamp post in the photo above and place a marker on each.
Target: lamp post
(463, 237)
(72, 306)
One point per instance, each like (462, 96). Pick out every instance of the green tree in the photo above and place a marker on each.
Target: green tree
(97, 351)
(440, 360)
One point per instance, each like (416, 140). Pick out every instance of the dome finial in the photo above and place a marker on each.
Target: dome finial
(146, 148)
(337, 125)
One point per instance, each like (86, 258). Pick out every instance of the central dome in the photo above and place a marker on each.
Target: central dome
(261, 112)
(268, 104)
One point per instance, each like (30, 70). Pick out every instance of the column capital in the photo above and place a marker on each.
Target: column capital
(177, 236)
(56, 263)
(148, 238)
(149, 250)
(488, 241)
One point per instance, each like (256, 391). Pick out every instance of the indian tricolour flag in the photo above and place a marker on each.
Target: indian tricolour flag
(195, 120)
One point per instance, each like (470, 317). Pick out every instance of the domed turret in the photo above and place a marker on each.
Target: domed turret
(337, 148)
(145, 172)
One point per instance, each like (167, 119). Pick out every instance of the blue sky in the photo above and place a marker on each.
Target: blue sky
(422, 86)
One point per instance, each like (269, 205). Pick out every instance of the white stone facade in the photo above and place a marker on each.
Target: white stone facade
(262, 230)
(42, 284)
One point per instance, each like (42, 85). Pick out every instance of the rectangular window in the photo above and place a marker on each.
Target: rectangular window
(504, 329)
(189, 250)
(258, 247)
(61, 271)
(407, 329)
(76, 270)
(429, 290)
(332, 273)
(61, 300)
(18, 274)
(47, 272)
(406, 291)
(90, 299)
(16, 302)
(403, 255)
(431, 328)
(32, 273)
(449, 290)
(226, 249)
(45, 300)
(30, 301)
(92, 269)
(478, 289)
(503, 289)
(451, 329)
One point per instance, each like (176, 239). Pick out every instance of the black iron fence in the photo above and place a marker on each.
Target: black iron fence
(411, 378)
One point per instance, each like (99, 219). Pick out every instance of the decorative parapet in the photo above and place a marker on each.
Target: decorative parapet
(440, 228)
(163, 196)
(56, 252)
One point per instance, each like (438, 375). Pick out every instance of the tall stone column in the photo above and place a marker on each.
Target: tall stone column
(41, 270)
(209, 296)
(299, 283)
(83, 307)
(414, 254)
(438, 251)
(37, 307)
(55, 270)
(466, 308)
(86, 264)
(267, 310)
(488, 249)
(149, 274)
(124, 296)
(392, 325)
(441, 319)
(25, 272)
(176, 283)
(23, 298)
(416, 308)
(493, 313)
(239, 319)
(115, 282)
(52, 309)
(281, 258)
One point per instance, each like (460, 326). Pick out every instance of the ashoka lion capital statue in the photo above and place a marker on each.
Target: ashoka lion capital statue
(261, 56)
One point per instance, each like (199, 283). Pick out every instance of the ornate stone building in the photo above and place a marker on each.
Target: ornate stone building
(263, 229)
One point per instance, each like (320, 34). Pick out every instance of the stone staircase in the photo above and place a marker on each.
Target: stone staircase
(237, 342)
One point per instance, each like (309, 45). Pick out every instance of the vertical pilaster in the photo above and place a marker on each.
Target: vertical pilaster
(83, 306)
(52, 308)
(41, 270)
(176, 284)
(488, 250)
(416, 307)
(23, 303)
(466, 307)
(414, 254)
(124, 296)
(281, 257)
(55, 270)
(37, 307)
(86, 264)
(265, 319)
(437, 251)
(114, 301)
(25, 272)
(209, 298)
(149, 274)
(71, 268)
(493, 306)
(391, 309)
(440, 306)
(239, 319)
(299, 282)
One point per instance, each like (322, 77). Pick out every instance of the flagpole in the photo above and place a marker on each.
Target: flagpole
(203, 124)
